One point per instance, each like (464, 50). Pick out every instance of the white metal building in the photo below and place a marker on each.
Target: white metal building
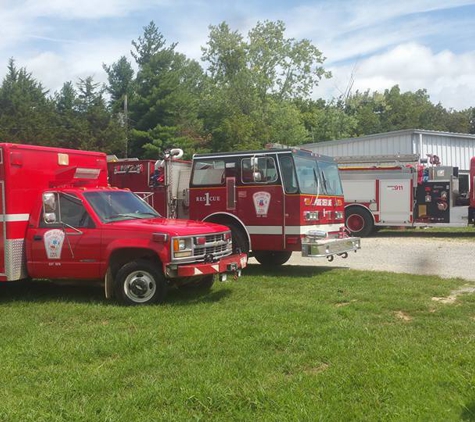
(453, 149)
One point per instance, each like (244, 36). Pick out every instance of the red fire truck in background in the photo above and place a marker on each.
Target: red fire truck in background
(275, 201)
(471, 208)
(61, 220)
(398, 190)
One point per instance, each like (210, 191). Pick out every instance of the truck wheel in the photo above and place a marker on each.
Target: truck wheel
(139, 283)
(202, 284)
(359, 222)
(269, 258)
(239, 239)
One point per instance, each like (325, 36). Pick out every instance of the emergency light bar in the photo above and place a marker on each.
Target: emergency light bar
(84, 173)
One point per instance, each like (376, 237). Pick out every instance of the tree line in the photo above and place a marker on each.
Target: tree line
(251, 90)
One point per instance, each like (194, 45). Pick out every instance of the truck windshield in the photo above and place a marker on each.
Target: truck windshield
(119, 205)
(318, 177)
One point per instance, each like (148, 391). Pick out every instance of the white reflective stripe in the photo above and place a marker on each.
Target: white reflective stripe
(14, 217)
(292, 230)
(215, 267)
(264, 229)
(197, 271)
(302, 230)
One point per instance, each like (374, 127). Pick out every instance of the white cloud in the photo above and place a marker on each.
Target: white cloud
(448, 77)
(80, 61)
(382, 42)
(86, 9)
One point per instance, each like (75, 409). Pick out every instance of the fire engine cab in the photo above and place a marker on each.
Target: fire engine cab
(61, 220)
(400, 190)
(275, 201)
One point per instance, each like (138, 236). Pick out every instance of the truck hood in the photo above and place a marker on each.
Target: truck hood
(170, 226)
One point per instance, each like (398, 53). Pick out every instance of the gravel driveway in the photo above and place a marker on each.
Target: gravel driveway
(445, 257)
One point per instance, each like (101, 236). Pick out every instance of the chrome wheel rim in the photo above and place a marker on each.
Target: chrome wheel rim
(140, 286)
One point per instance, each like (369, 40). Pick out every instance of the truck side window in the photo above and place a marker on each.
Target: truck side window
(264, 172)
(288, 174)
(73, 212)
(208, 172)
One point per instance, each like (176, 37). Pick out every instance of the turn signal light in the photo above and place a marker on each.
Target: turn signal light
(201, 240)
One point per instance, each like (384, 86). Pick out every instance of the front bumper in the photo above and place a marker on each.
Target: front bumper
(471, 215)
(228, 264)
(321, 248)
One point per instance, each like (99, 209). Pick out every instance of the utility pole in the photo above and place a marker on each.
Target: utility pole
(126, 126)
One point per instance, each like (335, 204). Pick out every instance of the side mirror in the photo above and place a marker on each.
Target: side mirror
(49, 202)
(50, 218)
(257, 176)
(49, 208)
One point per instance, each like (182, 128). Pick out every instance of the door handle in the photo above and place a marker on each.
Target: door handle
(37, 237)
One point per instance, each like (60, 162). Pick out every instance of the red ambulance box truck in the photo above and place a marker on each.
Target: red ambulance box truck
(61, 220)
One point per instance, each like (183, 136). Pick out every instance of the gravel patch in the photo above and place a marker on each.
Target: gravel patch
(446, 258)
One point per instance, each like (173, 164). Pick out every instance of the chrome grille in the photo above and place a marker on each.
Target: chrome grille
(215, 246)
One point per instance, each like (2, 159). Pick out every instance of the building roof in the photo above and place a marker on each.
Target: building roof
(396, 133)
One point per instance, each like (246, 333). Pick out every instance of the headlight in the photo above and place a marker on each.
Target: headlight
(182, 247)
(310, 215)
(179, 245)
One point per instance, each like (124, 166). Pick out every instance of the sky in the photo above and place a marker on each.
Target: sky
(368, 44)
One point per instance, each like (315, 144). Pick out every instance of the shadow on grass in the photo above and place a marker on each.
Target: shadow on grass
(47, 291)
(468, 413)
(421, 233)
(78, 292)
(196, 297)
(288, 271)
(82, 292)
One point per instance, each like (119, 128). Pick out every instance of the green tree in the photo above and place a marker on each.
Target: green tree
(101, 130)
(26, 113)
(164, 106)
(69, 127)
(252, 84)
(120, 77)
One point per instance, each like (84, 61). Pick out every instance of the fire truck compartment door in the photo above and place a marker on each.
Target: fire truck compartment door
(395, 201)
(359, 190)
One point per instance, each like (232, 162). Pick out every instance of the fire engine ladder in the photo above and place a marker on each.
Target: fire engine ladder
(377, 160)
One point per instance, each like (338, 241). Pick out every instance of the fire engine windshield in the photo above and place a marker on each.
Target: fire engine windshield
(119, 205)
(318, 177)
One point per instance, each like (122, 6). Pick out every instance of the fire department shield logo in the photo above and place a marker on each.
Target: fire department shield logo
(261, 203)
(54, 243)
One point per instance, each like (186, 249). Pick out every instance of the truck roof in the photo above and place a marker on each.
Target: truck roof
(296, 151)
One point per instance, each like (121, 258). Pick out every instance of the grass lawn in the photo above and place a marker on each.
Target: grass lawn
(292, 344)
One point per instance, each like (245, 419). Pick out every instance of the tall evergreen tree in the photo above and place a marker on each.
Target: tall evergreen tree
(26, 113)
(163, 109)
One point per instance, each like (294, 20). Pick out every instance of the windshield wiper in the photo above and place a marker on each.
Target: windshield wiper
(128, 215)
(150, 213)
(324, 181)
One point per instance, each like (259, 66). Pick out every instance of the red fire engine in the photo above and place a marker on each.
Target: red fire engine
(61, 220)
(471, 208)
(397, 190)
(274, 201)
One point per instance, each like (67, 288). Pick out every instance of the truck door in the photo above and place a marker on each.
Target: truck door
(291, 202)
(395, 201)
(66, 243)
(259, 201)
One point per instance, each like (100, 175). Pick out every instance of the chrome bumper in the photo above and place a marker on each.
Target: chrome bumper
(320, 248)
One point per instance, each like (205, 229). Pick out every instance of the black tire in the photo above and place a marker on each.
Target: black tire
(240, 242)
(202, 284)
(272, 258)
(140, 283)
(359, 222)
